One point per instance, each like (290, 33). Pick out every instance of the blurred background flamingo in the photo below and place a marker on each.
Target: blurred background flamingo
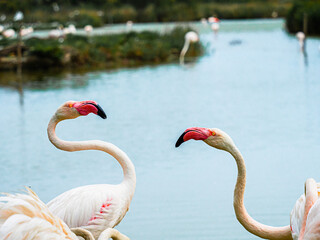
(190, 37)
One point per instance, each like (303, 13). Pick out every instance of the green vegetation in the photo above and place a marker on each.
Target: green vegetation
(106, 51)
(100, 12)
(306, 10)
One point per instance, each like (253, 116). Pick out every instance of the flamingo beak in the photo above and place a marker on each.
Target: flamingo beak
(86, 107)
(195, 133)
(100, 112)
(180, 140)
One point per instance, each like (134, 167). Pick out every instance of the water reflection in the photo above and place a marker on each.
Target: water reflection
(42, 80)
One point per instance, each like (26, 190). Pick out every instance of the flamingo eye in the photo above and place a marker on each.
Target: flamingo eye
(70, 105)
(213, 133)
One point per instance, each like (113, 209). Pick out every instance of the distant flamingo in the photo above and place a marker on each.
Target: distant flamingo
(129, 25)
(26, 31)
(88, 29)
(9, 33)
(92, 207)
(190, 37)
(220, 140)
(25, 216)
(215, 27)
(56, 33)
(204, 21)
(301, 38)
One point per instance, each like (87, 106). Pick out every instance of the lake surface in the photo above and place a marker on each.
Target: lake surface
(254, 83)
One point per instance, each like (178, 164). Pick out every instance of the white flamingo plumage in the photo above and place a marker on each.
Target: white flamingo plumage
(56, 33)
(218, 139)
(92, 207)
(26, 31)
(215, 27)
(25, 216)
(301, 38)
(88, 29)
(190, 37)
(9, 33)
(305, 216)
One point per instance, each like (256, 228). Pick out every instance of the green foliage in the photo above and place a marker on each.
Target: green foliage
(309, 10)
(114, 50)
(47, 52)
(83, 12)
(87, 18)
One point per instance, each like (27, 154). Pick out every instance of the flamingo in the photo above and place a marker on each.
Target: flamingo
(56, 33)
(218, 139)
(190, 37)
(92, 207)
(72, 28)
(26, 31)
(88, 29)
(203, 21)
(25, 216)
(129, 25)
(215, 27)
(301, 38)
(9, 33)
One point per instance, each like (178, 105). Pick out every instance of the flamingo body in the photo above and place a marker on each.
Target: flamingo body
(9, 33)
(88, 29)
(55, 33)
(305, 216)
(92, 207)
(25, 216)
(26, 31)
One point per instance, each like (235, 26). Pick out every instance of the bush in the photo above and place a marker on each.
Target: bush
(123, 49)
(295, 17)
(48, 51)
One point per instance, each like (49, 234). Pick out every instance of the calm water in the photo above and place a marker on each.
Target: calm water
(263, 92)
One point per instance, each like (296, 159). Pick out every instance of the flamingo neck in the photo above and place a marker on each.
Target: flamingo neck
(112, 233)
(184, 50)
(251, 225)
(129, 179)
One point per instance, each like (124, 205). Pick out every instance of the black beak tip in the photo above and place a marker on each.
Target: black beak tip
(101, 113)
(180, 140)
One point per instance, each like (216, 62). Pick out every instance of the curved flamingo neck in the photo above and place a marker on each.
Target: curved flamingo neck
(254, 227)
(129, 173)
(184, 50)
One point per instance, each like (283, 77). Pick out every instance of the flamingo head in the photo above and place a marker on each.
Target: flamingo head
(212, 136)
(73, 109)
(192, 37)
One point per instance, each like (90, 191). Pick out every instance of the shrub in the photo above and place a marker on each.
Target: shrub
(295, 17)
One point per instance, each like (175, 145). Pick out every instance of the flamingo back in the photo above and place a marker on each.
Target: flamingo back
(25, 216)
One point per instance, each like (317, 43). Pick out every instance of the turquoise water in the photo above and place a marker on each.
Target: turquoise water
(262, 91)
